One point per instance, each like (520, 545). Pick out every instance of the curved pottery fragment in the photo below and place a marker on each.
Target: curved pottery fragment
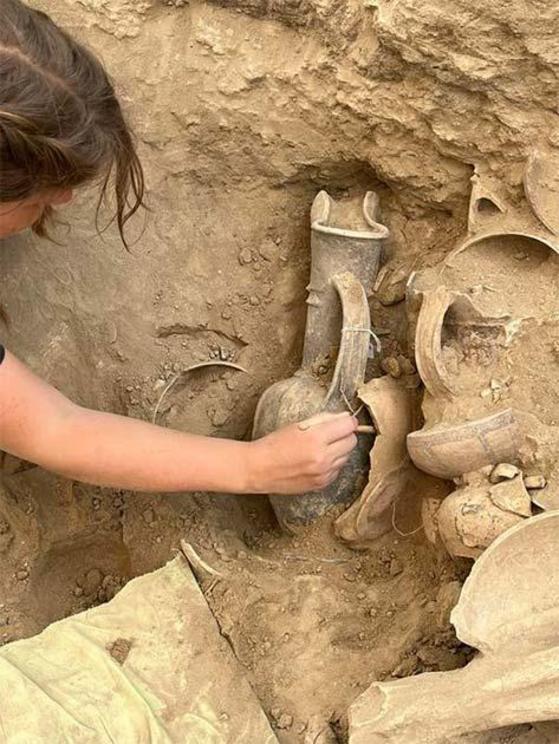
(512, 591)
(440, 306)
(450, 450)
(473, 357)
(489, 216)
(541, 186)
(485, 203)
(428, 341)
(471, 518)
(509, 610)
(392, 408)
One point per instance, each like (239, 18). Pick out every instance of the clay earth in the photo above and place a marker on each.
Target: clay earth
(244, 111)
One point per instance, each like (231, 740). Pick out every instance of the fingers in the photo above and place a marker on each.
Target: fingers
(330, 477)
(342, 447)
(320, 418)
(338, 464)
(331, 426)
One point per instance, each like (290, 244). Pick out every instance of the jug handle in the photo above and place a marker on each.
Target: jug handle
(349, 373)
(428, 341)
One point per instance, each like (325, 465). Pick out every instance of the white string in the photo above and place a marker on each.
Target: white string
(375, 347)
(396, 529)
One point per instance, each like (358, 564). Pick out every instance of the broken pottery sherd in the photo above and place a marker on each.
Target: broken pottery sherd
(390, 287)
(450, 450)
(535, 482)
(442, 307)
(471, 518)
(486, 202)
(503, 471)
(486, 334)
(490, 216)
(541, 186)
(508, 610)
(393, 409)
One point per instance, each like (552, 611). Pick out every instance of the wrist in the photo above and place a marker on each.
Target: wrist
(254, 467)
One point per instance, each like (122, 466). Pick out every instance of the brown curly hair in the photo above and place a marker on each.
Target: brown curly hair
(61, 125)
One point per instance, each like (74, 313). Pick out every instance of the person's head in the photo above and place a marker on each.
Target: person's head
(61, 125)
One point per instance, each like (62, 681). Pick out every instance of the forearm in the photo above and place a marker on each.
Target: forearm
(110, 450)
(37, 423)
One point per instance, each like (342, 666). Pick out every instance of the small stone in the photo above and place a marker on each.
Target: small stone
(120, 649)
(503, 471)
(535, 482)
(396, 567)
(226, 314)
(22, 574)
(267, 250)
(254, 300)
(285, 721)
(361, 595)
(78, 591)
(92, 581)
(392, 286)
(149, 516)
(406, 366)
(391, 366)
(219, 418)
(245, 256)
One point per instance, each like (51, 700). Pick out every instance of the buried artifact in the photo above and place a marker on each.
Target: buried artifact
(344, 262)
(486, 346)
(512, 593)
(392, 405)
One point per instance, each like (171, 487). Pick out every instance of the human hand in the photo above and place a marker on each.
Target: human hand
(301, 457)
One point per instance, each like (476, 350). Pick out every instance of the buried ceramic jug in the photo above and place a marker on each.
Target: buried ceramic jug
(345, 262)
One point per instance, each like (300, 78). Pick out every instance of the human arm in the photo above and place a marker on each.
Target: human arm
(39, 424)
